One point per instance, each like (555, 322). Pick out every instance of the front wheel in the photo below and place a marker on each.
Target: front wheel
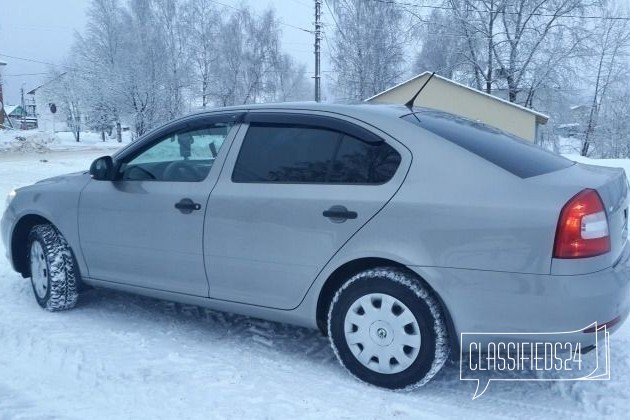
(387, 329)
(53, 273)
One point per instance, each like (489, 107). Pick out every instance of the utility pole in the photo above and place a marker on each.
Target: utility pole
(318, 38)
(2, 63)
(23, 106)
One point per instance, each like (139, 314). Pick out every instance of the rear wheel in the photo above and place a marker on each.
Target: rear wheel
(387, 329)
(53, 273)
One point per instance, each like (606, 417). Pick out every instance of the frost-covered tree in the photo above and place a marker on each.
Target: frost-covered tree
(440, 46)
(251, 66)
(610, 44)
(174, 34)
(290, 80)
(97, 54)
(367, 48)
(145, 61)
(203, 23)
(517, 46)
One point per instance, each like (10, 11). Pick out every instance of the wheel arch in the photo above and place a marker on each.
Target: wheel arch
(19, 241)
(344, 272)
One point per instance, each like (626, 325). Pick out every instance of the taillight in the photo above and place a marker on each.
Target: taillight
(582, 228)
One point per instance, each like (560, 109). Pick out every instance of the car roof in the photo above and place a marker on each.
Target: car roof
(353, 110)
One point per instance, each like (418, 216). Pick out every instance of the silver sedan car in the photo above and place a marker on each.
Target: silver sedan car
(392, 230)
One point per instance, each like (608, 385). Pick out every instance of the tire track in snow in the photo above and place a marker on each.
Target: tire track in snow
(14, 406)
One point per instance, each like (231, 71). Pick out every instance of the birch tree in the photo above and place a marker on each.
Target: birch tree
(367, 48)
(203, 22)
(515, 45)
(146, 61)
(611, 44)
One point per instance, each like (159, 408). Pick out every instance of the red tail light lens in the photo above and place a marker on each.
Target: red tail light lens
(582, 228)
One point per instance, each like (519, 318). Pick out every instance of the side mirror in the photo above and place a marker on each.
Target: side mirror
(102, 169)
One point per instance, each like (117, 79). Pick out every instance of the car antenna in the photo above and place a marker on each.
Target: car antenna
(409, 104)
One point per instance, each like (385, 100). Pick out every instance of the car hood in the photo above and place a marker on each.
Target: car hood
(63, 178)
(78, 178)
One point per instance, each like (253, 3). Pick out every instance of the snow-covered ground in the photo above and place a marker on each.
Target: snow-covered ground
(18, 141)
(118, 356)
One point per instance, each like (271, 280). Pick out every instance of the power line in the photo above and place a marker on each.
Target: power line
(32, 60)
(23, 74)
(558, 16)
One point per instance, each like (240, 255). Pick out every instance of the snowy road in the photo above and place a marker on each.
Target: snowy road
(118, 356)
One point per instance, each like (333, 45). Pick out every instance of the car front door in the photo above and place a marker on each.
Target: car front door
(145, 228)
(293, 190)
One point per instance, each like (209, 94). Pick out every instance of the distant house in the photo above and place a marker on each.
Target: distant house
(574, 122)
(447, 95)
(46, 120)
(48, 110)
(20, 117)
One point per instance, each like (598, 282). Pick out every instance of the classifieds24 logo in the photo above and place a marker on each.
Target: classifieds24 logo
(557, 356)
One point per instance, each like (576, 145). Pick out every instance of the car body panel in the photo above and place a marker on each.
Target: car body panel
(279, 229)
(54, 199)
(612, 186)
(135, 223)
(481, 237)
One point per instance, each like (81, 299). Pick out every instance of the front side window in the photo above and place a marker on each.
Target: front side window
(276, 153)
(183, 156)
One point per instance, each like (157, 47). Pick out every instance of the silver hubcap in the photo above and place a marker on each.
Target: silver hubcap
(382, 333)
(39, 270)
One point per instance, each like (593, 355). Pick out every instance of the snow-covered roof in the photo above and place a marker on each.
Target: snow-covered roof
(10, 108)
(540, 117)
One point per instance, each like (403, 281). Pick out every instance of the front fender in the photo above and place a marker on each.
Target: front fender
(56, 202)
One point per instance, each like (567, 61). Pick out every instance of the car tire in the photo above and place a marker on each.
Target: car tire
(53, 273)
(387, 329)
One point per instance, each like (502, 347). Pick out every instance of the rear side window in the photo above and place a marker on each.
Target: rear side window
(278, 153)
(509, 152)
(359, 162)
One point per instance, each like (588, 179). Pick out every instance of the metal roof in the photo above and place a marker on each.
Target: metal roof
(540, 117)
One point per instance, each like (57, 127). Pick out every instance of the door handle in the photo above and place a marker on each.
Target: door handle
(186, 205)
(339, 214)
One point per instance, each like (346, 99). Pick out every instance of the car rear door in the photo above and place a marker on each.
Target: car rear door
(294, 189)
(145, 229)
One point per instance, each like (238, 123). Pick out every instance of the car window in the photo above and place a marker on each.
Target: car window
(182, 156)
(359, 162)
(509, 152)
(277, 153)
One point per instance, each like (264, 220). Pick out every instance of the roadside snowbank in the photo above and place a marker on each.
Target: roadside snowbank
(25, 141)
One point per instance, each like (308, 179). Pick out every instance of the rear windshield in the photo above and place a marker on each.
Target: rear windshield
(509, 152)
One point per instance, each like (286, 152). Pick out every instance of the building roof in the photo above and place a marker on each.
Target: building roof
(10, 109)
(540, 117)
(32, 91)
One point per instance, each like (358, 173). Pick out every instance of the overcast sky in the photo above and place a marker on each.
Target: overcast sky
(43, 30)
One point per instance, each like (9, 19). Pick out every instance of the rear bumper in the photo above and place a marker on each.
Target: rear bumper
(503, 306)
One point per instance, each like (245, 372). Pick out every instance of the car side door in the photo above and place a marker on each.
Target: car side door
(294, 189)
(145, 228)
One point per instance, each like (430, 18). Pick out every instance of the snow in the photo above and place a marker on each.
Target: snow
(122, 356)
(40, 141)
(614, 163)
